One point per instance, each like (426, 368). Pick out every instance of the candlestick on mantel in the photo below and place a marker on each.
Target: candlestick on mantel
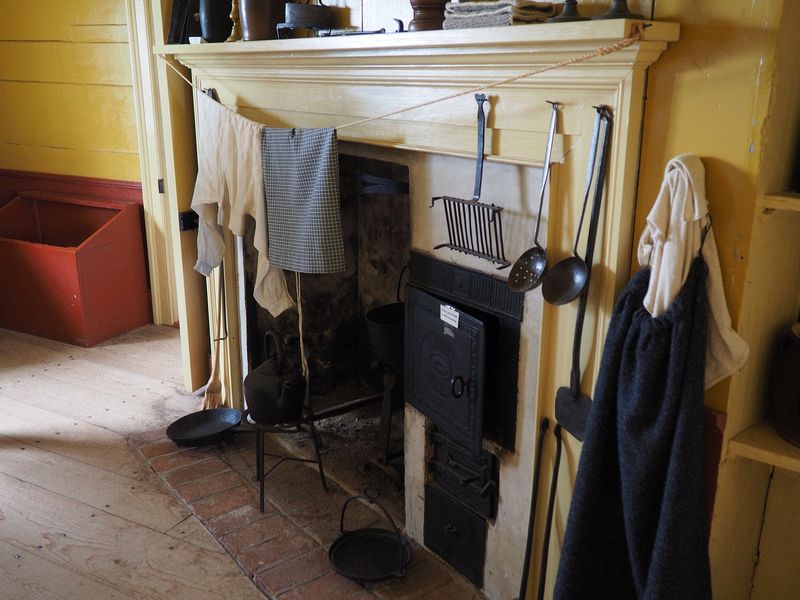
(568, 13)
(619, 10)
(428, 15)
(236, 33)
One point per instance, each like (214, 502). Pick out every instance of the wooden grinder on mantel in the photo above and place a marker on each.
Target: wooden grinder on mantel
(428, 15)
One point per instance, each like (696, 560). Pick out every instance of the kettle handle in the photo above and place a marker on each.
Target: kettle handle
(272, 335)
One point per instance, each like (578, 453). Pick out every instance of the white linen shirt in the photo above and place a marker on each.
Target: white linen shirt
(229, 187)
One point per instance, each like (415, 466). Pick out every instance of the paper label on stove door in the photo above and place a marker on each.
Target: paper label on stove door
(448, 314)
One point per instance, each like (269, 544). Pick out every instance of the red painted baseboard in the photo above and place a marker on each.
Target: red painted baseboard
(13, 182)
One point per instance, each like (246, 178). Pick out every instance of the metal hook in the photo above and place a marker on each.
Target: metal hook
(704, 233)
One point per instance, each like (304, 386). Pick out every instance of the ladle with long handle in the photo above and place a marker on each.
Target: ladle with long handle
(529, 268)
(565, 281)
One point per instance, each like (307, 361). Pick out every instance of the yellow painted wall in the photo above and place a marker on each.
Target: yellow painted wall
(709, 95)
(65, 83)
(729, 92)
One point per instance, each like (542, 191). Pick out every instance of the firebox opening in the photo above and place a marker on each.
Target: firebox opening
(376, 229)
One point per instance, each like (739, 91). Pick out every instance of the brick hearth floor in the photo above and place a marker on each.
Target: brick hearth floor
(285, 549)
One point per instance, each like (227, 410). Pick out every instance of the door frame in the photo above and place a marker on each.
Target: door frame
(167, 155)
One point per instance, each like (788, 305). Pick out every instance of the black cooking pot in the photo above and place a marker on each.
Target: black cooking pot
(274, 392)
(385, 327)
(369, 554)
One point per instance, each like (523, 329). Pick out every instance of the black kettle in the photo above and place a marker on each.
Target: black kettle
(273, 391)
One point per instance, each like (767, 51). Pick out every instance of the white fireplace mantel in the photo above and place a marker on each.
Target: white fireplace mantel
(328, 82)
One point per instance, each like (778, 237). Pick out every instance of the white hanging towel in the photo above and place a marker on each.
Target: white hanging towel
(671, 239)
(228, 188)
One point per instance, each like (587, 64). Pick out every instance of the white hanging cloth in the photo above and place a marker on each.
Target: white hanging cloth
(229, 187)
(672, 237)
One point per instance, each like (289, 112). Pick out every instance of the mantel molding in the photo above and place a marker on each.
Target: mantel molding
(327, 82)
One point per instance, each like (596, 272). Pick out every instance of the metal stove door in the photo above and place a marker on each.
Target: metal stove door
(445, 358)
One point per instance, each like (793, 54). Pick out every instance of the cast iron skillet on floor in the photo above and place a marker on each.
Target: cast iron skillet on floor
(204, 427)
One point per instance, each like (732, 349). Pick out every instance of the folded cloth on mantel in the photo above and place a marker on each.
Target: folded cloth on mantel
(495, 13)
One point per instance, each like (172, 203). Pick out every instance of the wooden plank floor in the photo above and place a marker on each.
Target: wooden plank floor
(80, 515)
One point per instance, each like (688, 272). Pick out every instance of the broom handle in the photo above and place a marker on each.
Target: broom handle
(217, 341)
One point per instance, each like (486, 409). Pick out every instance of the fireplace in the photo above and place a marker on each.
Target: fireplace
(312, 83)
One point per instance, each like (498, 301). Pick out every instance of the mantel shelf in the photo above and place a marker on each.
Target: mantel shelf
(763, 444)
(563, 37)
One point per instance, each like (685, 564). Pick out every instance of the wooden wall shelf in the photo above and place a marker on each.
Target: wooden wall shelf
(783, 201)
(763, 444)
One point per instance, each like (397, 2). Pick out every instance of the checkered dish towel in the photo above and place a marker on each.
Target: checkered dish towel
(301, 186)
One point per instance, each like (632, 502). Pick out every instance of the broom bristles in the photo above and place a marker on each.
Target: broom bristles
(213, 396)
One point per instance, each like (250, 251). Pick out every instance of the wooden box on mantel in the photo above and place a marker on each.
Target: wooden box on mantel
(72, 269)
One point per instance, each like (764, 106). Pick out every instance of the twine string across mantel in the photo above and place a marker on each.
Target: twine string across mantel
(637, 34)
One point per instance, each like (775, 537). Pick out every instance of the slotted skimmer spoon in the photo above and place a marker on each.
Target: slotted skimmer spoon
(529, 268)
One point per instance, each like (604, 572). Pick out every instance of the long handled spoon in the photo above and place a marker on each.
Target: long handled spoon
(565, 281)
(529, 268)
(572, 406)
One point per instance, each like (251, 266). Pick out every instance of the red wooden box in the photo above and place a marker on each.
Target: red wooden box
(72, 269)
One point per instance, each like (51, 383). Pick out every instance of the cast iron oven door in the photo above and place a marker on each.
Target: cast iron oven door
(445, 357)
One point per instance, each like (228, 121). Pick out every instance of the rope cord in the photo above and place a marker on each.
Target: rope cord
(303, 359)
(637, 33)
(174, 68)
(636, 36)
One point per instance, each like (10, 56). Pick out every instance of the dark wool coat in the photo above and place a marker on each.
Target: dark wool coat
(637, 526)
